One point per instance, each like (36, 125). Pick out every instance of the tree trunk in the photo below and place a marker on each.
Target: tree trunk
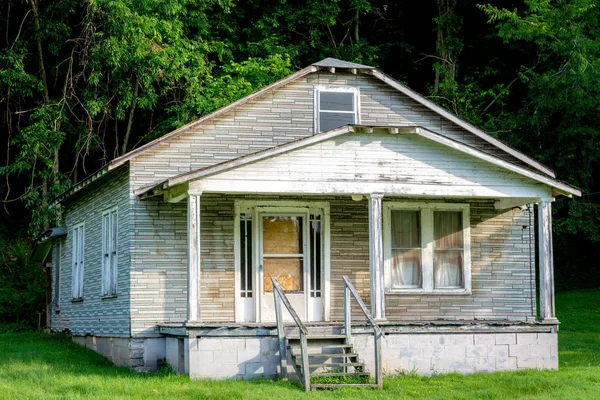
(444, 55)
(36, 19)
(130, 122)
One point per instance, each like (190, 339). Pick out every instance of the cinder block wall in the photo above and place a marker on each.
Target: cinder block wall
(427, 353)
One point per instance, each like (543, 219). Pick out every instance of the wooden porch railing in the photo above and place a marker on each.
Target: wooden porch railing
(349, 289)
(280, 298)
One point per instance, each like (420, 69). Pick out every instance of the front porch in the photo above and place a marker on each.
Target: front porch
(250, 351)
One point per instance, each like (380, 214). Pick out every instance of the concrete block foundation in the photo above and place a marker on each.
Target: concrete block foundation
(257, 356)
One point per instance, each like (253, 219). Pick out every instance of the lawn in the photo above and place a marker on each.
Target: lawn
(36, 366)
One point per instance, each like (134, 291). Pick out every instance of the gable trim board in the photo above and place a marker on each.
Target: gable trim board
(159, 188)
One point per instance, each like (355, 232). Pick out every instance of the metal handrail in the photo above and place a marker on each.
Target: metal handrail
(280, 297)
(349, 289)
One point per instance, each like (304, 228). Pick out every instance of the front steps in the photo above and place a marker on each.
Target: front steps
(332, 362)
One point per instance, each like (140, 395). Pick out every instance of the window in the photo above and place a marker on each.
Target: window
(427, 248)
(78, 258)
(335, 107)
(109, 252)
(57, 263)
(246, 254)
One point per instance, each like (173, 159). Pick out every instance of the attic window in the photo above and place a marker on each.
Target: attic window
(335, 107)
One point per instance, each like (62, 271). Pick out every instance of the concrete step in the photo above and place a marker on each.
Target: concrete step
(324, 348)
(316, 386)
(319, 337)
(334, 365)
(339, 374)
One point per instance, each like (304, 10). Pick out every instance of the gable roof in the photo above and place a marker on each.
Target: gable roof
(335, 63)
(330, 64)
(158, 188)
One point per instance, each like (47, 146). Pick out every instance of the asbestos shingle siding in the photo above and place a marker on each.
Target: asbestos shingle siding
(94, 315)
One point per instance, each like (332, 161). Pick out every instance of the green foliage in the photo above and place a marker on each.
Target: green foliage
(22, 288)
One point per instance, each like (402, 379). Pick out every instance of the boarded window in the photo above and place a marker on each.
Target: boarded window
(406, 249)
(283, 256)
(78, 259)
(335, 109)
(109, 252)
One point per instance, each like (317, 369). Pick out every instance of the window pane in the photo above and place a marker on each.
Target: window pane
(243, 256)
(447, 268)
(406, 249)
(406, 229)
(406, 268)
(288, 272)
(448, 230)
(337, 101)
(246, 255)
(315, 256)
(332, 120)
(282, 235)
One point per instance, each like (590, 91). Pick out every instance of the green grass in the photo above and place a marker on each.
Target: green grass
(37, 366)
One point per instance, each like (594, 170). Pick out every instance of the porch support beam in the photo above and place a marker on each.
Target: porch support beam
(376, 256)
(193, 244)
(546, 263)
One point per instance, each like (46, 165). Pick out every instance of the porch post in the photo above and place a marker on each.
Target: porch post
(193, 244)
(376, 256)
(546, 263)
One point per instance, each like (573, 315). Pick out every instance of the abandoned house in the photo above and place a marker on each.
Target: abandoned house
(335, 218)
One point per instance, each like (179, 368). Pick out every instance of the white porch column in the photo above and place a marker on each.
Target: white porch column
(546, 263)
(193, 245)
(376, 256)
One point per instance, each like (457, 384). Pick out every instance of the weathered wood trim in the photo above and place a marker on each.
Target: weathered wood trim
(463, 124)
(508, 203)
(546, 262)
(560, 186)
(353, 187)
(193, 234)
(176, 193)
(376, 256)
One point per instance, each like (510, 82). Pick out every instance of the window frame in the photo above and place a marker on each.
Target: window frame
(77, 268)
(426, 211)
(110, 269)
(57, 265)
(335, 89)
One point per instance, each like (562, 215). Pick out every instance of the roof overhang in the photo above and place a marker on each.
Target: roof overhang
(166, 187)
(43, 244)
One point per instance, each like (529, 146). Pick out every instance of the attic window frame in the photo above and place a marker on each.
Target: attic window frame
(335, 89)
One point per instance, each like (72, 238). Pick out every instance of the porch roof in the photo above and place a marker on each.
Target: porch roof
(160, 187)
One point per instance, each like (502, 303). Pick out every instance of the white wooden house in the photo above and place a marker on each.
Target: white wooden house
(337, 170)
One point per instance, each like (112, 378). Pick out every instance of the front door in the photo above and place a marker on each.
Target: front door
(289, 243)
(283, 255)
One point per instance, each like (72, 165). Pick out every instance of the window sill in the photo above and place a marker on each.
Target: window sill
(436, 292)
(109, 296)
(78, 300)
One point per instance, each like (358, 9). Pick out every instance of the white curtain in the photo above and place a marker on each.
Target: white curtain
(406, 249)
(448, 249)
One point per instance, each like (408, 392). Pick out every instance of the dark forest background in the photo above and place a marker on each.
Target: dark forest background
(82, 82)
